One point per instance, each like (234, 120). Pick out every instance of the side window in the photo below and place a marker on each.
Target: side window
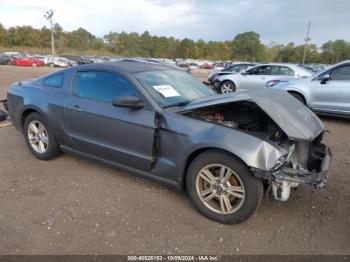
(100, 85)
(264, 70)
(253, 71)
(282, 71)
(55, 81)
(341, 73)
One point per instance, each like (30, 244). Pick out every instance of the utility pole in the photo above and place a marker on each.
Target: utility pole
(307, 39)
(48, 15)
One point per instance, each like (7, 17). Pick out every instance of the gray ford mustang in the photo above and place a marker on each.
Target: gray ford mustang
(160, 122)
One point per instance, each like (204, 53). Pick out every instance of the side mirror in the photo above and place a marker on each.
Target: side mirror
(128, 101)
(324, 79)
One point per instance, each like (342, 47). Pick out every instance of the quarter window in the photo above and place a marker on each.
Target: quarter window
(102, 86)
(341, 73)
(55, 81)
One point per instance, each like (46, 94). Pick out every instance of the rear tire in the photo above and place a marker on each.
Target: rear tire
(229, 200)
(227, 87)
(40, 137)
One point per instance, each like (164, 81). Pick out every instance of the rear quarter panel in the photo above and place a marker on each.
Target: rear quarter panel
(47, 101)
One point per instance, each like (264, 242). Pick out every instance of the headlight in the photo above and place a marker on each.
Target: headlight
(272, 83)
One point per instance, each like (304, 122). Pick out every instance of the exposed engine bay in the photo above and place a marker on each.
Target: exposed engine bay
(304, 163)
(243, 115)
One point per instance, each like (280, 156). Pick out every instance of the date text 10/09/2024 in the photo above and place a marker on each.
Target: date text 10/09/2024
(173, 258)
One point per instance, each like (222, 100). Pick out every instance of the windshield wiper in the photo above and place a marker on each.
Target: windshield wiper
(177, 104)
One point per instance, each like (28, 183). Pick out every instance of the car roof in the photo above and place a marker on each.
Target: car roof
(277, 64)
(132, 66)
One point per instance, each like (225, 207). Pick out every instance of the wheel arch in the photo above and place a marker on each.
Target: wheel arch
(26, 112)
(300, 93)
(228, 80)
(198, 152)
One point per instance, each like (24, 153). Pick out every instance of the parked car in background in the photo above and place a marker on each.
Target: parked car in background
(43, 58)
(12, 54)
(206, 66)
(160, 122)
(56, 61)
(26, 60)
(80, 60)
(315, 67)
(95, 59)
(192, 66)
(182, 63)
(230, 69)
(219, 66)
(4, 59)
(258, 76)
(326, 92)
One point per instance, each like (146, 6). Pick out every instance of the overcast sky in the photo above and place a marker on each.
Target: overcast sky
(280, 21)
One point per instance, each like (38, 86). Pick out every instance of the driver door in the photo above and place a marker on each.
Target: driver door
(255, 78)
(118, 134)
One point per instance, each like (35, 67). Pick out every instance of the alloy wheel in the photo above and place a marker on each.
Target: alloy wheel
(226, 88)
(38, 137)
(220, 189)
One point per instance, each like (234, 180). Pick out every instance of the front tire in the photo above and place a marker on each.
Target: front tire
(222, 188)
(40, 137)
(227, 87)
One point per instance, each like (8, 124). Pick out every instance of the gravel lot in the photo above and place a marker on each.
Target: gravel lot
(73, 206)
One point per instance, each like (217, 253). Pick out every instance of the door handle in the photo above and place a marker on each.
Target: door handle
(75, 108)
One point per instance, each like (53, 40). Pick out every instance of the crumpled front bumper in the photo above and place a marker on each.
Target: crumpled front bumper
(216, 83)
(316, 180)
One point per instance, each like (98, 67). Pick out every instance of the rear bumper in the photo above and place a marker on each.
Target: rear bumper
(316, 180)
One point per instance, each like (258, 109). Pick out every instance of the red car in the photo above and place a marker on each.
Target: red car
(207, 66)
(27, 61)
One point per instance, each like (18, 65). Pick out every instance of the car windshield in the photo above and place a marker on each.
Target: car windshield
(307, 69)
(236, 68)
(172, 87)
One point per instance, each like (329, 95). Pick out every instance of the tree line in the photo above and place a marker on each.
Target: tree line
(244, 46)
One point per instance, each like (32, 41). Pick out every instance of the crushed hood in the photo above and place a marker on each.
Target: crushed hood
(296, 120)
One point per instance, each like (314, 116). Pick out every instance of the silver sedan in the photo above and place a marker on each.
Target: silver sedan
(258, 76)
(325, 92)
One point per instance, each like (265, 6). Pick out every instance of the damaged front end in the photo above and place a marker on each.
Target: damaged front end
(279, 119)
(306, 163)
